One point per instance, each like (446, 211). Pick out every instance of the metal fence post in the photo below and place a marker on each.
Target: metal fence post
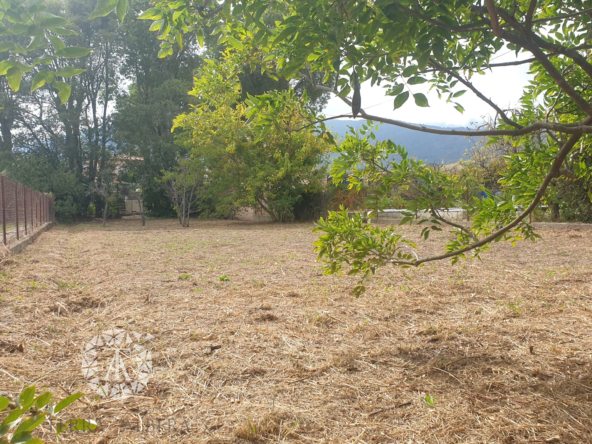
(25, 207)
(467, 196)
(16, 184)
(3, 211)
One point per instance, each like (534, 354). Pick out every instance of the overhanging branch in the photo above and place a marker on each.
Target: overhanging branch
(478, 93)
(582, 126)
(491, 65)
(553, 172)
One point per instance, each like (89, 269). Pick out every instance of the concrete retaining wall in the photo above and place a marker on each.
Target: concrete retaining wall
(561, 226)
(393, 216)
(21, 244)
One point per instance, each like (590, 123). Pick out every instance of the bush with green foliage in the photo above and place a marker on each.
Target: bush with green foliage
(254, 154)
(28, 412)
(69, 191)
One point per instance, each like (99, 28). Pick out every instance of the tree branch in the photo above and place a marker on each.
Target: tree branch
(469, 27)
(437, 216)
(582, 126)
(491, 65)
(478, 93)
(497, 31)
(563, 16)
(572, 53)
(324, 120)
(555, 168)
(537, 126)
(530, 13)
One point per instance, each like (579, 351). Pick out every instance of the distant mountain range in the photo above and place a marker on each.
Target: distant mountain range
(431, 148)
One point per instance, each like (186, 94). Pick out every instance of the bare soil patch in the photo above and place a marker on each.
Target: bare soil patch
(254, 344)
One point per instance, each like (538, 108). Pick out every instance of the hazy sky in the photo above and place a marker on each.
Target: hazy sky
(503, 85)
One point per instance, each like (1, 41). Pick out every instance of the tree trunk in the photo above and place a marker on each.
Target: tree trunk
(554, 212)
(141, 201)
(6, 144)
(105, 211)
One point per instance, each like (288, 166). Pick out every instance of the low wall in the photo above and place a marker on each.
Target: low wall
(561, 226)
(392, 216)
(21, 244)
(250, 214)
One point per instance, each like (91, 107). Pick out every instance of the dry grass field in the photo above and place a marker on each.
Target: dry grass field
(498, 351)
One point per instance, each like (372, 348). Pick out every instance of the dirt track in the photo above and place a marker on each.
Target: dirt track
(498, 351)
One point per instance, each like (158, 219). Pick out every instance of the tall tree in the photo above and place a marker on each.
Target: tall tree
(156, 94)
(66, 122)
(402, 43)
(248, 164)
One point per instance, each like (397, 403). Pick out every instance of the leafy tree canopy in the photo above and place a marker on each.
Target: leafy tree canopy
(254, 153)
(399, 44)
(31, 36)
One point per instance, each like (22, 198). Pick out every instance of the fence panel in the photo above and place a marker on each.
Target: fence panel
(23, 210)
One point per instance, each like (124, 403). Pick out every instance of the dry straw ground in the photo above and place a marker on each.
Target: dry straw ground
(497, 351)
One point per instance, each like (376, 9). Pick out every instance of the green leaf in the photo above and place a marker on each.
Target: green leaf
(36, 43)
(21, 438)
(70, 399)
(459, 93)
(19, 29)
(12, 416)
(27, 397)
(4, 402)
(30, 424)
(155, 26)
(63, 31)
(398, 89)
(410, 70)
(7, 46)
(52, 22)
(64, 91)
(14, 77)
(103, 8)
(41, 79)
(56, 42)
(416, 80)
(165, 52)
(285, 34)
(43, 400)
(421, 100)
(22, 67)
(235, 43)
(46, 59)
(401, 99)
(74, 52)
(5, 65)
(68, 71)
(423, 60)
(151, 14)
(345, 91)
(14, 17)
(18, 49)
(121, 10)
